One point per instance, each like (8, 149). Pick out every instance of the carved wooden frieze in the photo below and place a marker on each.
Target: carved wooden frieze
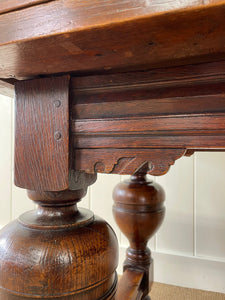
(121, 161)
(122, 121)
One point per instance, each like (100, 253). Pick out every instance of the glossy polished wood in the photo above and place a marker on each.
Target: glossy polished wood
(102, 36)
(64, 253)
(121, 121)
(139, 211)
(144, 85)
(11, 5)
(130, 285)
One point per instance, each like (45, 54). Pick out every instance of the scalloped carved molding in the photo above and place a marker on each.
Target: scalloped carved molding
(126, 161)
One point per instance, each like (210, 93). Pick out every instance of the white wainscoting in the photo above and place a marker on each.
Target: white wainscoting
(189, 249)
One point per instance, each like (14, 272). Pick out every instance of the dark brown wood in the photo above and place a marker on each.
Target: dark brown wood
(147, 87)
(124, 161)
(64, 253)
(212, 141)
(157, 106)
(42, 134)
(101, 36)
(130, 285)
(135, 131)
(163, 108)
(139, 211)
(116, 118)
(184, 76)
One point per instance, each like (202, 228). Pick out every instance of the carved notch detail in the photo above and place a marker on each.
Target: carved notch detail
(126, 161)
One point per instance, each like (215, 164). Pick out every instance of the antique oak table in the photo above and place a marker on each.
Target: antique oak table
(122, 87)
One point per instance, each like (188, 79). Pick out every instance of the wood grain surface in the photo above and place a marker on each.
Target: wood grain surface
(102, 36)
(140, 117)
(139, 211)
(42, 134)
(130, 286)
(58, 251)
(125, 161)
(11, 5)
(120, 121)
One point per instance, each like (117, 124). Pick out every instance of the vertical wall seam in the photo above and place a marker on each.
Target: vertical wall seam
(90, 197)
(11, 156)
(120, 236)
(194, 205)
(155, 237)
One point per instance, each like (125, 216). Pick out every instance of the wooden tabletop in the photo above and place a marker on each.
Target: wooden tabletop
(49, 37)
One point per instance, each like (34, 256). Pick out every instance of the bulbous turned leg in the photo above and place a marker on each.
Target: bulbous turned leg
(139, 211)
(58, 252)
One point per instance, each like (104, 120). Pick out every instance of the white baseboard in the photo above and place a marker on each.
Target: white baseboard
(185, 271)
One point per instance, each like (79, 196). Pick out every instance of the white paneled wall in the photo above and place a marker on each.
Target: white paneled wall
(176, 234)
(189, 249)
(5, 160)
(210, 205)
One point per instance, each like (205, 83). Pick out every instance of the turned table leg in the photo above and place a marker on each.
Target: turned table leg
(138, 211)
(58, 252)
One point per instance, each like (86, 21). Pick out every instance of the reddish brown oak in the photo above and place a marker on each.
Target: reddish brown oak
(130, 285)
(11, 5)
(179, 107)
(144, 84)
(104, 35)
(42, 134)
(139, 211)
(123, 161)
(120, 121)
(58, 251)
